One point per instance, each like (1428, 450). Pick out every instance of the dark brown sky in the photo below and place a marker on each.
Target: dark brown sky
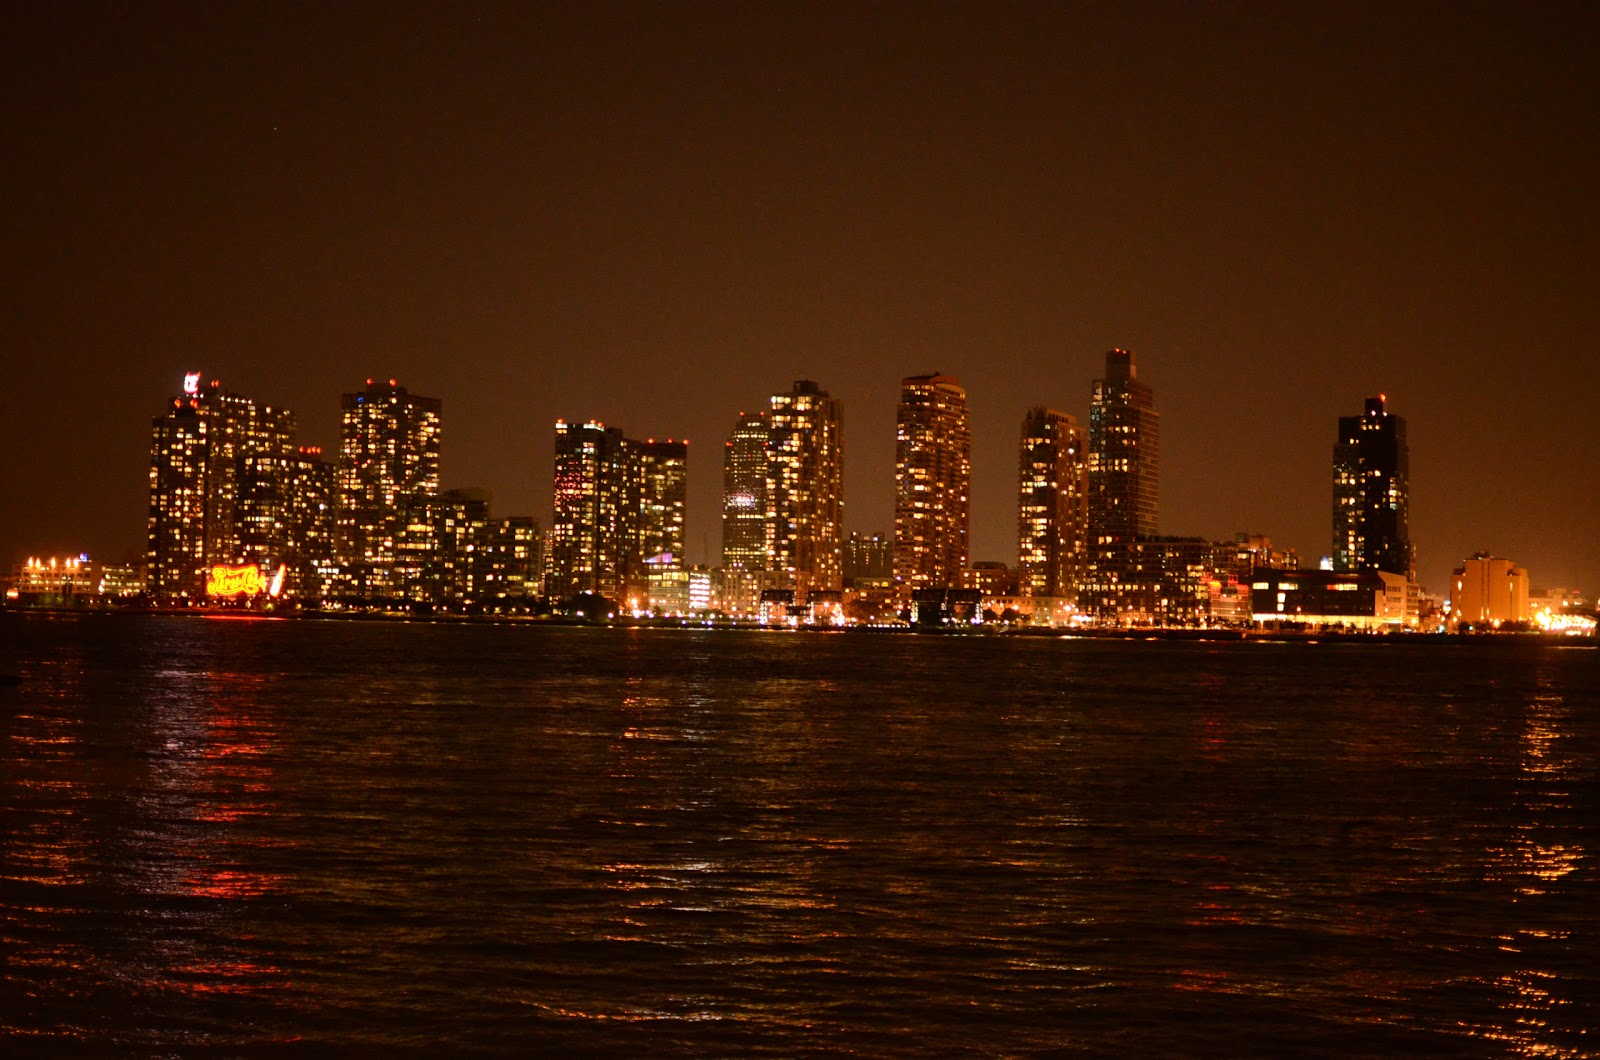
(656, 215)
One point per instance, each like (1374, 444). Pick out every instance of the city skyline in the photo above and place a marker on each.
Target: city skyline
(533, 215)
(271, 430)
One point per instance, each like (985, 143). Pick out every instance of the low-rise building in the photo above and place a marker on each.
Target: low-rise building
(1358, 600)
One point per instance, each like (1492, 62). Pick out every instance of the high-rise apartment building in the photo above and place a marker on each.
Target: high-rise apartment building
(1052, 504)
(933, 471)
(619, 512)
(661, 484)
(1124, 453)
(313, 525)
(744, 494)
(179, 459)
(509, 563)
(590, 543)
(804, 524)
(221, 481)
(388, 461)
(1123, 581)
(1371, 493)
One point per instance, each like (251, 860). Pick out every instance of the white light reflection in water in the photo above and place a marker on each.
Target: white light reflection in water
(1532, 993)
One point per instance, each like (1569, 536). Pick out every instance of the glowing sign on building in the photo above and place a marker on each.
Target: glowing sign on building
(243, 580)
(191, 383)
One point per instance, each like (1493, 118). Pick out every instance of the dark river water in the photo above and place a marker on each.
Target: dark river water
(230, 837)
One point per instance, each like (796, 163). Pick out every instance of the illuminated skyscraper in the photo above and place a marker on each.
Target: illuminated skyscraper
(744, 494)
(619, 512)
(312, 556)
(933, 469)
(1372, 493)
(1124, 453)
(589, 543)
(660, 473)
(388, 459)
(1052, 504)
(221, 476)
(176, 524)
(510, 563)
(804, 523)
(1125, 579)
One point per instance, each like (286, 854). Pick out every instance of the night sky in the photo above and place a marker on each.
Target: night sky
(658, 214)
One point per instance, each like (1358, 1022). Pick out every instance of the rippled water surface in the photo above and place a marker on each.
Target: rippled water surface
(223, 835)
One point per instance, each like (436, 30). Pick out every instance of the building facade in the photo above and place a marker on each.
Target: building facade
(313, 554)
(868, 561)
(933, 471)
(1052, 504)
(804, 524)
(1124, 453)
(1372, 493)
(389, 444)
(591, 542)
(660, 474)
(221, 487)
(1370, 601)
(744, 494)
(1121, 582)
(619, 513)
(1487, 593)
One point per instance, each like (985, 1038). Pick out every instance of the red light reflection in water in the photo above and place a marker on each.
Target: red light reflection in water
(219, 779)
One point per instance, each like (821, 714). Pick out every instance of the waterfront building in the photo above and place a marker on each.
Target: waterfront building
(312, 555)
(71, 581)
(508, 563)
(388, 464)
(1487, 593)
(1052, 504)
(1371, 493)
(179, 458)
(868, 561)
(991, 578)
(744, 494)
(220, 481)
(1154, 581)
(619, 513)
(592, 541)
(1124, 453)
(1561, 610)
(805, 489)
(1122, 581)
(1369, 601)
(660, 478)
(436, 552)
(55, 579)
(933, 471)
(1252, 552)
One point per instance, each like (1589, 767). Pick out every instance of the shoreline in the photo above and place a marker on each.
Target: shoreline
(1138, 634)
